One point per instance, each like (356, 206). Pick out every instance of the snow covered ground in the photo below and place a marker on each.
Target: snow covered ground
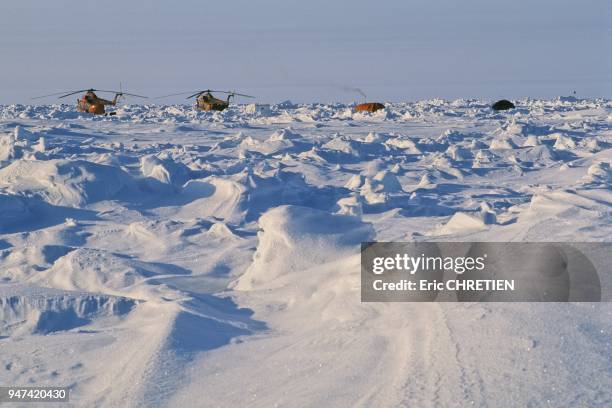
(169, 257)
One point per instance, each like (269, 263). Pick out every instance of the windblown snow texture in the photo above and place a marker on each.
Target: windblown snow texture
(170, 257)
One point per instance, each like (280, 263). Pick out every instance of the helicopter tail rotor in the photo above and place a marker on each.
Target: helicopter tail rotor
(243, 95)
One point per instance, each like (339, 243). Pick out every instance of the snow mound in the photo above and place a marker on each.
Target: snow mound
(592, 145)
(427, 181)
(559, 201)
(100, 271)
(387, 182)
(343, 144)
(531, 141)
(458, 153)
(72, 183)
(405, 144)
(377, 189)
(444, 165)
(284, 134)
(246, 195)
(215, 197)
(502, 143)
(541, 154)
(375, 137)
(29, 309)
(8, 149)
(163, 174)
(564, 142)
(343, 149)
(281, 141)
(350, 206)
(223, 231)
(355, 182)
(296, 238)
(462, 222)
(260, 109)
(599, 173)
(18, 263)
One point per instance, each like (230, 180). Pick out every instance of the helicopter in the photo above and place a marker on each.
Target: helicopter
(207, 102)
(90, 102)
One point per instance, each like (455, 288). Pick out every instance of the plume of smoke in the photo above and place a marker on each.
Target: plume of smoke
(351, 89)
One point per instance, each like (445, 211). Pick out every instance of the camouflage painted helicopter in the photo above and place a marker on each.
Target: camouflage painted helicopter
(90, 102)
(207, 102)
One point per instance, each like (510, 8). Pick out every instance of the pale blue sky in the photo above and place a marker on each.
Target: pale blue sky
(308, 51)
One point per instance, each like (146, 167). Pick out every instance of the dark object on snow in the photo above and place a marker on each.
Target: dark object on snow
(207, 102)
(369, 107)
(91, 103)
(503, 105)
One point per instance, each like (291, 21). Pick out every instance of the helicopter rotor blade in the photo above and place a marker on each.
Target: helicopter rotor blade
(116, 92)
(197, 94)
(226, 92)
(57, 93)
(175, 94)
(87, 90)
(103, 90)
(64, 94)
(75, 92)
(201, 92)
(234, 93)
(246, 96)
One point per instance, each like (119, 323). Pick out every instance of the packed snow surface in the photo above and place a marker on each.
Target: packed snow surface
(170, 257)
